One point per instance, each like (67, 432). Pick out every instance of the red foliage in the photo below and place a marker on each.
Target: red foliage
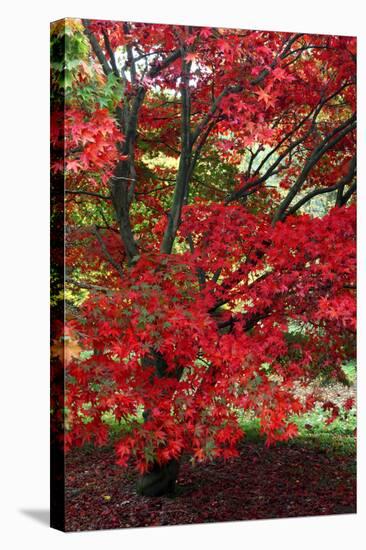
(160, 307)
(194, 336)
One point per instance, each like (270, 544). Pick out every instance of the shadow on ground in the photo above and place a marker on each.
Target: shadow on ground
(42, 516)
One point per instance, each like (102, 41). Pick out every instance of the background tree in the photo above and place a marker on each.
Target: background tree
(190, 156)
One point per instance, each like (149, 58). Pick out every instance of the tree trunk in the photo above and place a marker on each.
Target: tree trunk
(161, 478)
(160, 481)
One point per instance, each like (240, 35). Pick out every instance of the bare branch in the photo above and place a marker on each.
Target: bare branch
(181, 187)
(88, 286)
(88, 193)
(329, 141)
(309, 196)
(345, 180)
(110, 53)
(130, 56)
(161, 65)
(348, 194)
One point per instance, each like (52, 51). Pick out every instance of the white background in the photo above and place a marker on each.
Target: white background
(24, 486)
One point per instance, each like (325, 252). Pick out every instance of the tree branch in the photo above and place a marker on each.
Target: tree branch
(89, 193)
(329, 141)
(160, 66)
(311, 195)
(88, 286)
(344, 181)
(180, 190)
(215, 105)
(314, 113)
(96, 47)
(349, 193)
(282, 55)
(111, 53)
(337, 186)
(106, 252)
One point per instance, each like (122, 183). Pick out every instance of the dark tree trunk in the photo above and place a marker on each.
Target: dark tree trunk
(161, 478)
(160, 481)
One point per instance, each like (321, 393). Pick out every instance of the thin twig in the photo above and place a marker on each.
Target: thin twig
(106, 252)
(88, 286)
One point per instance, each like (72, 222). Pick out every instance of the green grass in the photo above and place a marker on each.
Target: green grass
(336, 438)
(116, 428)
(349, 370)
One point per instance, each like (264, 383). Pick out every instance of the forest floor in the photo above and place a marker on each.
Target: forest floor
(286, 480)
(313, 474)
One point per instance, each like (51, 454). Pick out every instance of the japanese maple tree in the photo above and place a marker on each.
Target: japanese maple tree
(205, 285)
